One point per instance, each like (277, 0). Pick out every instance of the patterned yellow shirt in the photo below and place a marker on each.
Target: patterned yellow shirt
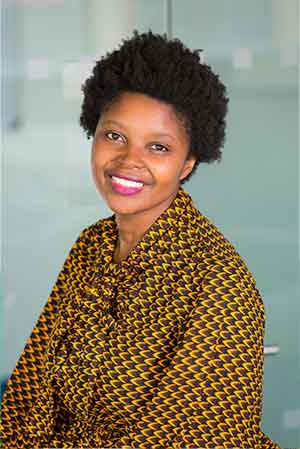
(163, 350)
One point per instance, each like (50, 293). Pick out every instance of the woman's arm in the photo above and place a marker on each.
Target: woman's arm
(23, 387)
(211, 395)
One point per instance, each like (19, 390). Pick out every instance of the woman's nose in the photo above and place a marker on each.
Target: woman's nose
(133, 154)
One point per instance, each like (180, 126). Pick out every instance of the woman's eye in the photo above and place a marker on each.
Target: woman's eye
(159, 147)
(111, 135)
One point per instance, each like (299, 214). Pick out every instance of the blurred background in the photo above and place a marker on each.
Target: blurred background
(48, 197)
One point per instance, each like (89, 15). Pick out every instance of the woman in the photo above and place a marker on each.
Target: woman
(152, 336)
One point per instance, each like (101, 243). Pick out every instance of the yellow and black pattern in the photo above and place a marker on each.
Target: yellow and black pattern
(163, 350)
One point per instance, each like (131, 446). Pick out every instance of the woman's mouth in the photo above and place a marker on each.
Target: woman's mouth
(125, 186)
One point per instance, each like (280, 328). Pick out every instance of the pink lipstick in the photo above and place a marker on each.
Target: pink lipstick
(126, 186)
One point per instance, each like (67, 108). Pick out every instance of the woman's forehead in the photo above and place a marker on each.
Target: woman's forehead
(132, 108)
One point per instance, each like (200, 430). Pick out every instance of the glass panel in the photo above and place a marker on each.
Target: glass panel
(49, 196)
(252, 195)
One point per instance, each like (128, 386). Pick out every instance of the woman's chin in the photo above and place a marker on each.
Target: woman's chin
(124, 205)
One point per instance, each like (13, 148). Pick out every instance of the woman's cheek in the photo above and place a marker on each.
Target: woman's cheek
(167, 172)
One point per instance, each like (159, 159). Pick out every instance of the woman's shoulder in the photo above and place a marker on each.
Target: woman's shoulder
(222, 274)
(216, 253)
(202, 233)
(209, 236)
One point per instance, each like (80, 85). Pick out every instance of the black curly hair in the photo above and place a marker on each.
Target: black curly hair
(166, 70)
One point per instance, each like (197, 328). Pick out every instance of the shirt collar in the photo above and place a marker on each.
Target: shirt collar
(156, 239)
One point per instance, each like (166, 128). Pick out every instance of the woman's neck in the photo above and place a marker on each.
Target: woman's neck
(132, 227)
(130, 234)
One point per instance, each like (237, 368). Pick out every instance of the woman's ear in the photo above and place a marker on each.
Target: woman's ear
(188, 167)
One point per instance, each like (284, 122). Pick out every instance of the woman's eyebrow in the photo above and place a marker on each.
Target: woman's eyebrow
(103, 123)
(113, 122)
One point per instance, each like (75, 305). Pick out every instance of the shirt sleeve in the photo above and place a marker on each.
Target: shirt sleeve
(211, 395)
(23, 385)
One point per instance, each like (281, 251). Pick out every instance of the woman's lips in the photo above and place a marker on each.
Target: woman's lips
(125, 186)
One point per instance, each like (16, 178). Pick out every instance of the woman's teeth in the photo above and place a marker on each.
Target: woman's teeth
(126, 182)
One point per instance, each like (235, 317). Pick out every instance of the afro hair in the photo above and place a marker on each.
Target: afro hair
(166, 70)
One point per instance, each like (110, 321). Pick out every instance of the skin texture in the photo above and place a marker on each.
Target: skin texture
(140, 137)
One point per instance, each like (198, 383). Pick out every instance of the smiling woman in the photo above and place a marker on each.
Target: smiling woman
(140, 155)
(153, 334)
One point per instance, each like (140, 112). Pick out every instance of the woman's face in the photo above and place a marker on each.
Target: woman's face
(139, 155)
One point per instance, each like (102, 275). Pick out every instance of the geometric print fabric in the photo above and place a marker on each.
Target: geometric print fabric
(162, 350)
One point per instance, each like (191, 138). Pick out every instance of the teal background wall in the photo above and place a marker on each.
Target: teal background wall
(252, 195)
